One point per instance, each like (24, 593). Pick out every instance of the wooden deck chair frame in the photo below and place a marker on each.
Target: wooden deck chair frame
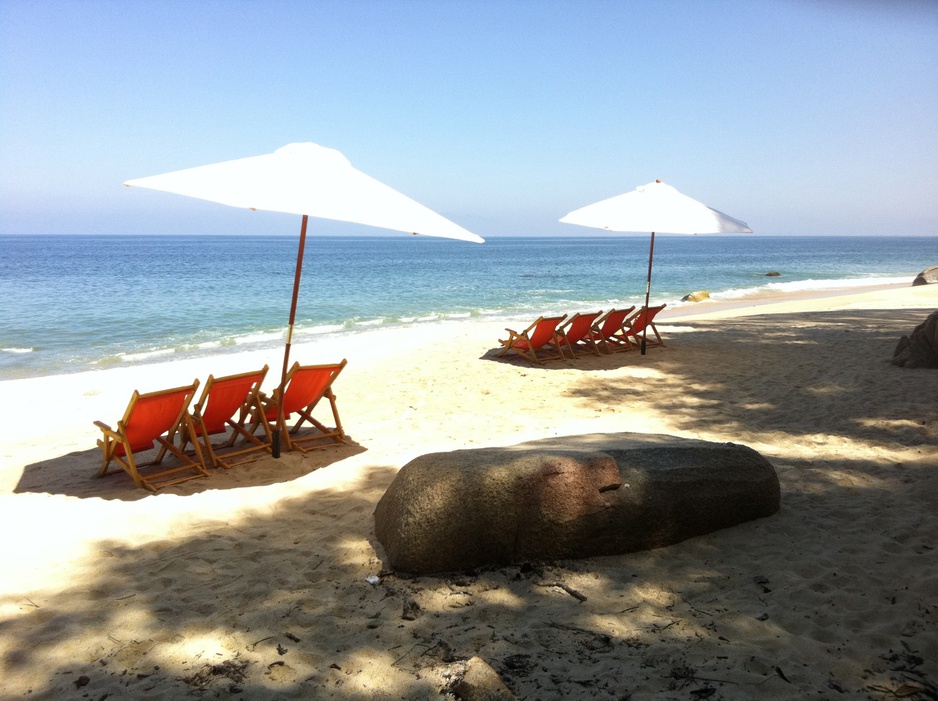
(576, 332)
(609, 330)
(635, 325)
(231, 402)
(532, 343)
(154, 418)
(304, 406)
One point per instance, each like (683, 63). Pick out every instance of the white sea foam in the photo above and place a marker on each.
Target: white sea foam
(140, 356)
(806, 286)
(319, 330)
(255, 338)
(17, 350)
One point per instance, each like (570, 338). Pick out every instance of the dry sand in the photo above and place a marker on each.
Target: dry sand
(252, 583)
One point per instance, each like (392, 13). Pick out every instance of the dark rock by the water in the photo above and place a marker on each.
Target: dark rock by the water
(773, 274)
(570, 497)
(698, 296)
(920, 348)
(929, 276)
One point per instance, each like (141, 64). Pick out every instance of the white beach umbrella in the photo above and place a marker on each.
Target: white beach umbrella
(309, 180)
(655, 207)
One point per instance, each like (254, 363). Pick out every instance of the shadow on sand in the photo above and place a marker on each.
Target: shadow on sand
(296, 603)
(58, 475)
(287, 605)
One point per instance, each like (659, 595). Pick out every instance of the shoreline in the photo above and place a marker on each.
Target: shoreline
(879, 296)
(754, 303)
(47, 358)
(138, 591)
(103, 394)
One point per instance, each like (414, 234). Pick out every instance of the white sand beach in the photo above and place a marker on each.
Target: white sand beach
(252, 583)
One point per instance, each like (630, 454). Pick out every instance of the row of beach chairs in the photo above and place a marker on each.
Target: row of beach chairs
(617, 330)
(232, 410)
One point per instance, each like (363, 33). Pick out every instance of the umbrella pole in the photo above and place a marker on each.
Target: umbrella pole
(651, 256)
(275, 447)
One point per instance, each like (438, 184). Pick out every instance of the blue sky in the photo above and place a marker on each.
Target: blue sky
(798, 117)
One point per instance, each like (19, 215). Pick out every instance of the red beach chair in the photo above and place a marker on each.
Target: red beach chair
(539, 337)
(306, 386)
(608, 330)
(636, 324)
(577, 332)
(231, 402)
(152, 419)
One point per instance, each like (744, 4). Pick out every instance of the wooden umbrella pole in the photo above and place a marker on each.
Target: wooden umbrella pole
(275, 443)
(651, 256)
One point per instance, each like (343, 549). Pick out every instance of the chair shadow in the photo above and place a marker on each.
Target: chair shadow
(75, 474)
(584, 361)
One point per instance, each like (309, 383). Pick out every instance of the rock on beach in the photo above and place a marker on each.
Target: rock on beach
(569, 497)
(920, 348)
(929, 276)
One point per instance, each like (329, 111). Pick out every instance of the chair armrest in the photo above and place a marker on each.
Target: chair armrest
(512, 335)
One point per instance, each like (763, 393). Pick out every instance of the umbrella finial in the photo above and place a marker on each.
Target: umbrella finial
(658, 180)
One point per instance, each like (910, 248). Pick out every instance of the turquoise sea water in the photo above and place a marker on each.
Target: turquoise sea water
(74, 303)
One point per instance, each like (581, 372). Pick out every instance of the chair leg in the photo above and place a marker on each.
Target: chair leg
(104, 444)
(131, 467)
(337, 434)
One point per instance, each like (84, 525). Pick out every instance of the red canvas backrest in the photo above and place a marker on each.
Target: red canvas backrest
(581, 326)
(226, 396)
(153, 415)
(545, 330)
(613, 321)
(307, 385)
(645, 317)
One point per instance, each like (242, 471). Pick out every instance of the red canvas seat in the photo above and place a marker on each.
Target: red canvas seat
(151, 420)
(536, 343)
(231, 402)
(608, 330)
(576, 332)
(636, 324)
(306, 385)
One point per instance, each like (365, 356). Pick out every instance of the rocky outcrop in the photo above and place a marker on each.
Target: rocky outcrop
(571, 497)
(929, 276)
(920, 349)
(698, 296)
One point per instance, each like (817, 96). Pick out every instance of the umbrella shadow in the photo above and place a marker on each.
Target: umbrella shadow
(76, 474)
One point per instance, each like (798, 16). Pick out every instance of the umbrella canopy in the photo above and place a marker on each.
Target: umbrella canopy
(309, 180)
(306, 179)
(655, 207)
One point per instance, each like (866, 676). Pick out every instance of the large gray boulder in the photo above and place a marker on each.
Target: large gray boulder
(920, 349)
(929, 276)
(570, 497)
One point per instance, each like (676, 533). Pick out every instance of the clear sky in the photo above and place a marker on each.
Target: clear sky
(796, 116)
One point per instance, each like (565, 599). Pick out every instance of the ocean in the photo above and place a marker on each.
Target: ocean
(76, 303)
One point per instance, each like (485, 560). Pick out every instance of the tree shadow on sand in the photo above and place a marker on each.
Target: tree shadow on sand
(690, 382)
(297, 604)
